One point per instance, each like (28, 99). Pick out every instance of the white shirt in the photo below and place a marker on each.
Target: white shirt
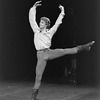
(43, 39)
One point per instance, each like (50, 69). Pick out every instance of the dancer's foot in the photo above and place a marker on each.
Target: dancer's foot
(86, 47)
(34, 94)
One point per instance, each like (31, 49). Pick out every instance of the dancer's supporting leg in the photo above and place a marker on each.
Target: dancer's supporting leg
(41, 64)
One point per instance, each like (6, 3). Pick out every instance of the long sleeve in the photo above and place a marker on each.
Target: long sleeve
(32, 19)
(57, 23)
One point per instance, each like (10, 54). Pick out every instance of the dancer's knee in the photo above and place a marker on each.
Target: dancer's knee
(39, 74)
(38, 77)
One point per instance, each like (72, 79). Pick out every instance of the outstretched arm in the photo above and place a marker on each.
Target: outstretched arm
(58, 21)
(32, 17)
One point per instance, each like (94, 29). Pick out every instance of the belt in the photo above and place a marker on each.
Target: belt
(45, 49)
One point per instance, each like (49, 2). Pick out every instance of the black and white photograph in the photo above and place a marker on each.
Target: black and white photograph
(49, 50)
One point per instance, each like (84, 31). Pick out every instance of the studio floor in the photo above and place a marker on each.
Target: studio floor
(48, 91)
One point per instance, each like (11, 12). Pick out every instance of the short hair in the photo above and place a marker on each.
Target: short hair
(47, 21)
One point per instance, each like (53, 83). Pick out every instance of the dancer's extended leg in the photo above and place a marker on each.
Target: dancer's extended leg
(52, 54)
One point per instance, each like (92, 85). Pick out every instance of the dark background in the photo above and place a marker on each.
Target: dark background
(17, 51)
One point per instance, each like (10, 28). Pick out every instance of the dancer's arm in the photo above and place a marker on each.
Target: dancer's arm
(58, 21)
(32, 17)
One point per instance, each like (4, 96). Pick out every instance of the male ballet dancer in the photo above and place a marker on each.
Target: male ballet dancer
(42, 39)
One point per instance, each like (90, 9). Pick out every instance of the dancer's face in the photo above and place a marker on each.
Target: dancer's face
(42, 24)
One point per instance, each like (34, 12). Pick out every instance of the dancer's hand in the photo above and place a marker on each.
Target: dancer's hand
(62, 9)
(37, 4)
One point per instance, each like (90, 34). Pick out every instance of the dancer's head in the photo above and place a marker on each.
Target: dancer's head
(44, 22)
